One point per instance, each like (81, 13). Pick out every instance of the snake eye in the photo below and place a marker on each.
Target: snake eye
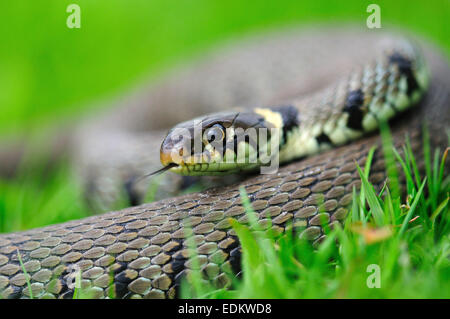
(214, 133)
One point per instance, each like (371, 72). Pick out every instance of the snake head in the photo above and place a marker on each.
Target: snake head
(217, 144)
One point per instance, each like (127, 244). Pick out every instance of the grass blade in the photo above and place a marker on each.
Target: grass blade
(27, 277)
(374, 204)
(412, 209)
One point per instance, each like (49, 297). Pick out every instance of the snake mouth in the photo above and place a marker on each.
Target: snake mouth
(196, 165)
(204, 164)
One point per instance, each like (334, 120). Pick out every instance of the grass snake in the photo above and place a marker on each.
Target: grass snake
(326, 89)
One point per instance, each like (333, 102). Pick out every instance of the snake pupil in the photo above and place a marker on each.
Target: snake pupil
(211, 136)
(215, 133)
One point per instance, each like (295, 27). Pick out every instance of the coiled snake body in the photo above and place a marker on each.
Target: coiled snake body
(359, 78)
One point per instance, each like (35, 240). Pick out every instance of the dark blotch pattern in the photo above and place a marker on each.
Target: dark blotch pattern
(235, 260)
(290, 117)
(178, 263)
(120, 289)
(405, 67)
(16, 293)
(323, 138)
(353, 104)
(68, 295)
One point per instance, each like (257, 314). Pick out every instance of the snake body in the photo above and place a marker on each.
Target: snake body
(143, 248)
(232, 141)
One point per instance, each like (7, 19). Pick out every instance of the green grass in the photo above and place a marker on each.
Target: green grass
(40, 196)
(407, 239)
(27, 277)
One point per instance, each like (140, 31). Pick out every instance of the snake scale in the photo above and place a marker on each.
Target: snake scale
(143, 248)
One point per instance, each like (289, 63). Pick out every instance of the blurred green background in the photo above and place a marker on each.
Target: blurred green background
(50, 73)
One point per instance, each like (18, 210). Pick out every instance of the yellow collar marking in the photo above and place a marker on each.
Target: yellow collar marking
(270, 116)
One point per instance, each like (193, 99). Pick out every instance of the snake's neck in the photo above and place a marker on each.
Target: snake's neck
(376, 93)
